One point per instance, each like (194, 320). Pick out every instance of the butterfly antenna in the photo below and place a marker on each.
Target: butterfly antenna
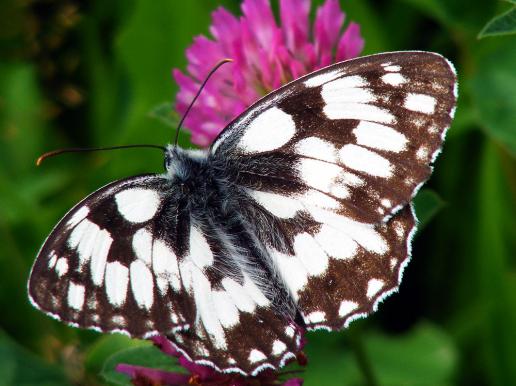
(80, 150)
(213, 70)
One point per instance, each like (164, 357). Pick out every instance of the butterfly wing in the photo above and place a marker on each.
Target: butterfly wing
(111, 264)
(332, 161)
(133, 258)
(363, 132)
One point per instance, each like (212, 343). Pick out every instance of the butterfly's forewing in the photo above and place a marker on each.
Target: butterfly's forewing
(362, 132)
(332, 161)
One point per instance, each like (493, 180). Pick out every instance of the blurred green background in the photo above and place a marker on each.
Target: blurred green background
(77, 73)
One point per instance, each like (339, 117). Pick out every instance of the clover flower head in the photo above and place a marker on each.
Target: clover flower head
(266, 55)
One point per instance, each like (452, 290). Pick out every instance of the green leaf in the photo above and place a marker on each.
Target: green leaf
(492, 257)
(427, 203)
(504, 24)
(105, 347)
(145, 355)
(433, 8)
(492, 89)
(166, 114)
(425, 356)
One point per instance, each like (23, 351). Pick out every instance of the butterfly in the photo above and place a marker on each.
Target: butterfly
(297, 217)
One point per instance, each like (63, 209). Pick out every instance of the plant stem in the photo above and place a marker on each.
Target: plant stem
(363, 362)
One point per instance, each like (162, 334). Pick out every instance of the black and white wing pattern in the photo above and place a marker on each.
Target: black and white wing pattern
(138, 257)
(364, 132)
(297, 217)
(332, 162)
(111, 262)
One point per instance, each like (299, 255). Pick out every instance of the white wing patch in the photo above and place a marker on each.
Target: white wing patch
(256, 356)
(323, 176)
(227, 312)
(316, 317)
(270, 130)
(142, 284)
(373, 287)
(292, 270)
(61, 266)
(137, 205)
(78, 216)
(165, 267)
(344, 249)
(367, 161)
(92, 245)
(346, 307)
(242, 300)
(394, 79)
(199, 252)
(421, 103)
(362, 233)
(205, 305)
(318, 80)
(379, 136)
(279, 205)
(317, 148)
(278, 347)
(142, 245)
(76, 296)
(347, 98)
(311, 254)
(117, 279)
(99, 258)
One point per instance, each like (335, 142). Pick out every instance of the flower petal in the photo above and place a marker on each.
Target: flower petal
(351, 43)
(294, 24)
(265, 56)
(258, 16)
(294, 382)
(225, 29)
(153, 376)
(328, 22)
(165, 345)
(202, 55)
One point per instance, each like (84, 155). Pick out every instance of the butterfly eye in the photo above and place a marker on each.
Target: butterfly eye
(166, 161)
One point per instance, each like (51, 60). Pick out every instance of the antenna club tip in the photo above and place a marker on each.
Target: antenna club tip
(39, 160)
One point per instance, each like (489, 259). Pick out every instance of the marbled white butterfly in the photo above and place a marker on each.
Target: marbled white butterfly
(298, 216)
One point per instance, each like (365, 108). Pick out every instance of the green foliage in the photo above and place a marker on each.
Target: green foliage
(145, 355)
(423, 356)
(93, 76)
(165, 113)
(18, 367)
(427, 204)
(492, 91)
(504, 24)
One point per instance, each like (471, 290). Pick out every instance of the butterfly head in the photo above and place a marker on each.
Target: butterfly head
(180, 162)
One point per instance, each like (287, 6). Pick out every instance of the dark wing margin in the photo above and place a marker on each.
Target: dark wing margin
(363, 132)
